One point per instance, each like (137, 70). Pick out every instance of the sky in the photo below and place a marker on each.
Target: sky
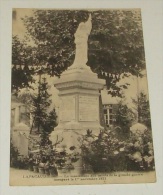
(136, 84)
(18, 27)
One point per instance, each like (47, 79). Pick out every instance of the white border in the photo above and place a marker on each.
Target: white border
(152, 14)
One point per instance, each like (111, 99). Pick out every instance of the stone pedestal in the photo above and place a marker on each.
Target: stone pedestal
(79, 91)
(79, 100)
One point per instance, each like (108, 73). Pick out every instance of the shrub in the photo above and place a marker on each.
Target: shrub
(106, 153)
(139, 149)
(17, 160)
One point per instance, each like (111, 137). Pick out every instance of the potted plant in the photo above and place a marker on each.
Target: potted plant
(47, 166)
(41, 168)
(30, 164)
(53, 169)
(35, 168)
(36, 163)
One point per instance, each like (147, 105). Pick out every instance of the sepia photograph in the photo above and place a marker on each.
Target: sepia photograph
(80, 108)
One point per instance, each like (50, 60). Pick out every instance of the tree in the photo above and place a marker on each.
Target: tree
(43, 120)
(143, 110)
(115, 43)
(21, 58)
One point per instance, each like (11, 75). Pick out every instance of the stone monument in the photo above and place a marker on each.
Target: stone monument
(79, 94)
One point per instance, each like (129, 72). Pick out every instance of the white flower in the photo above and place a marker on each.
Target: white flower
(121, 149)
(146, 158)
(151, 152)
(137, 156)
(150, 159)
(137, 144)
(116, 152)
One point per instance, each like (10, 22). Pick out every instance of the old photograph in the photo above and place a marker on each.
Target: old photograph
(80, 107)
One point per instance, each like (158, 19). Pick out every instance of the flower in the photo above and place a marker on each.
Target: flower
(121, 149)
(130, 144)
(137, 156)
(137, 144)
(146, 158)
(149, 159)
(150, 152)
(116, 152)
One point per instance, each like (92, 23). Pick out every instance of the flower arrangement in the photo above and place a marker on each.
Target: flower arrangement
(49, 159)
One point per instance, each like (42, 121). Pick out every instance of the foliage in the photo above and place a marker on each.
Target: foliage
(115, 45)
(47, 156)
(143, 109)
(106, 153)
(21, 58)
(103, 151)
(42, 119)
(140, 152)
(17, 160)
(124, 118)
(13, 154)
(21, 51)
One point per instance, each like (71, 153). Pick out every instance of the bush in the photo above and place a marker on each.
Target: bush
(47, 156)
(103, 152)
(106, 153)
(139, 149)
(17, 160)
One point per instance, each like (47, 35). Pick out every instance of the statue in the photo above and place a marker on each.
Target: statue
(81, 41)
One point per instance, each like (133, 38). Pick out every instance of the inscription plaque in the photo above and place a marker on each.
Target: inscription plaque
(67, 108)
(88, 108)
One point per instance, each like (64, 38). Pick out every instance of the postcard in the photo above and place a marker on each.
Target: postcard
(80, 109)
